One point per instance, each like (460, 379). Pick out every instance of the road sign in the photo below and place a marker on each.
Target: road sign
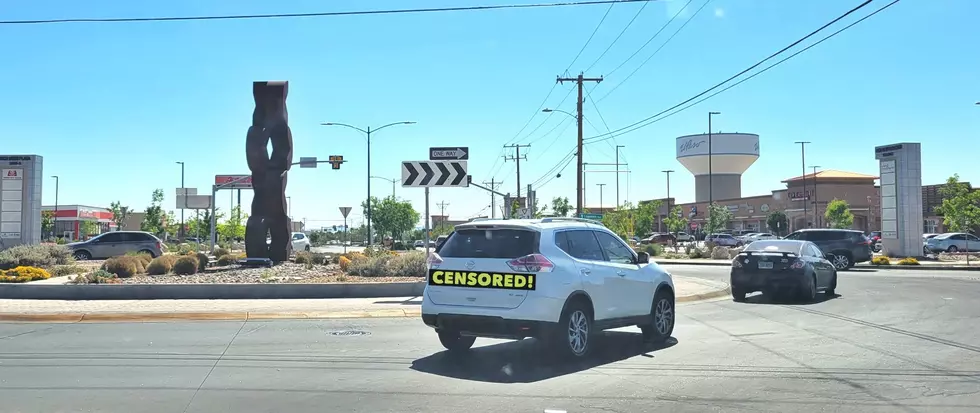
(243, 181)
(524, 213)
(307, 162)
(194, 201)
(437, 174)
(344, 211)
(449, 154)
(597, 217)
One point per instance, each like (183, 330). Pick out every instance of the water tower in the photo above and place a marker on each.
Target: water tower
(731, 155)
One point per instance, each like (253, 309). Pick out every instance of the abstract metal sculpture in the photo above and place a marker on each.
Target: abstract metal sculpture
(270, 121)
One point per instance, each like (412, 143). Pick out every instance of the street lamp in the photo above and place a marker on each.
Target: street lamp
(54, 224)
(711, 176)
(601, 209)
(816, 206)
(392, 184)
(668, 172)
(180, 234)
(368, 133)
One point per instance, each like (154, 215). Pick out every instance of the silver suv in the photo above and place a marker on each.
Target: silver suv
(113, 244)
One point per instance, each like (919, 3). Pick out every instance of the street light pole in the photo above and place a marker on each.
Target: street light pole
(393, 181)
(711, 176)
(54, 224)
(368, 133)
(668, 172)
(600, 196)
(180, 233)
(816, 207)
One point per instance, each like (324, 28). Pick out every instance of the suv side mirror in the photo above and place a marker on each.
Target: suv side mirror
(642, 258)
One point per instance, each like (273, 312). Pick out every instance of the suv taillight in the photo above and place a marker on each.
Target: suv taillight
(434, 259)
(531, 263)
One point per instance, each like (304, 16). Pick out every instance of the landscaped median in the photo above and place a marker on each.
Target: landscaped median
(407, 305)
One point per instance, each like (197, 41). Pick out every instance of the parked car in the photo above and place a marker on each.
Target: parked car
(301, 242)
(723, 240)
(953, 242)
(683, 237)
(659, 238)
(112, 244)
(847, 246)
(760, 236)
(419, 243)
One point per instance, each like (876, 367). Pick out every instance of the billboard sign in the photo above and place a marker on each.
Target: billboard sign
(233, 181)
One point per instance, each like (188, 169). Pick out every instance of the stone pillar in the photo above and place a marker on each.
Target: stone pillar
(270, 122)
(901, 199)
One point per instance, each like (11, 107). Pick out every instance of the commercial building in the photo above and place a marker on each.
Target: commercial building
(68, 220)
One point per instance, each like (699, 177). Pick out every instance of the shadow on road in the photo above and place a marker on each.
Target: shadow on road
(786, 299)
(528, 361)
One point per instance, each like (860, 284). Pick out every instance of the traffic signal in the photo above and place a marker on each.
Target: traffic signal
(335, 161)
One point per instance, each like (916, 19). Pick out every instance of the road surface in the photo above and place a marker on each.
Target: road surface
(887, 343)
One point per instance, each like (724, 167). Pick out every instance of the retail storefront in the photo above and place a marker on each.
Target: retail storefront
(71, 220)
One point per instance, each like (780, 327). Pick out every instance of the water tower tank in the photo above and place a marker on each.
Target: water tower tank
(731, 155)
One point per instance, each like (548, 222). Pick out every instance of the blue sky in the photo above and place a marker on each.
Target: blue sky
(112, 107)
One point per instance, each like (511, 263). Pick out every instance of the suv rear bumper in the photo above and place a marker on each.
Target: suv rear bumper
(488, 326)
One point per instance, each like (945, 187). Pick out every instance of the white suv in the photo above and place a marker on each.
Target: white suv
(560, 280)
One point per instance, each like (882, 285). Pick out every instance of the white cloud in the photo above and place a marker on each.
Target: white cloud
(719, 12)
(675, 6)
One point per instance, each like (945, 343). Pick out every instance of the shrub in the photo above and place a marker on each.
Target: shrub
(720, 253)
(96, 277)
(697, 253)
(653, 249)
(61, 254)
(162, 264)
(344, 263)
(124, 266)
(202, 261)
(227, 259)
(142, 257)
(908, 261)
(23, 274)
(186, 265)
(304, 257)
(63, 270)
(35, 256)
(320, 259)
(376, 266)
(880, 260)
(220, 252)
(411, 264)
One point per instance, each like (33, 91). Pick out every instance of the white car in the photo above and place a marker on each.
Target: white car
(301, 242)
(684, 237)
(561, 280)
(760, 236)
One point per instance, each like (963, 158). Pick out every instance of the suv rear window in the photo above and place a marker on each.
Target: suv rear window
(490, 243)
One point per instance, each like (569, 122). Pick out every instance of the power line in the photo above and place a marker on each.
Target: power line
(654, 36)
(647, 60)
(601, 55)
(596, 30)
(651, 119)
(321, 14)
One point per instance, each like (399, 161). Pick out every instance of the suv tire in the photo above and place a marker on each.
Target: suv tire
(455, 342)
(842, 260)
(148, 252)
(662, 316)
(573, 336)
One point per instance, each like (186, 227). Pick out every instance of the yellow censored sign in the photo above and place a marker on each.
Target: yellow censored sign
(507, 281)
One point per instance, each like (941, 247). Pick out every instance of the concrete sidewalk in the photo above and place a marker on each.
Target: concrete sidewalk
(688, 289)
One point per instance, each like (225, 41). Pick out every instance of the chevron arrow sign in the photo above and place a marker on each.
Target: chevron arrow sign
(434, 174)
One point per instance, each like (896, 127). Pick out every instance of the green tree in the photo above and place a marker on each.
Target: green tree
(47, 223)
(622, 221)
(234, 227)
(777, 222)
(718, 218)
(515, 209)
(560, 206)
(391, 217)
(961, 205)
(153, 220)
(646, 216)
(839, 214)
(87, 228)
(173, 225)
(200, 224)
(119, 214)
(675, 220)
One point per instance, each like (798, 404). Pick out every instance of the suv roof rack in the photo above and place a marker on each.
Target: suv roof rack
(556, 219)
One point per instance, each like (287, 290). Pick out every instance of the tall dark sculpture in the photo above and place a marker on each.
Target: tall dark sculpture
(270, 121)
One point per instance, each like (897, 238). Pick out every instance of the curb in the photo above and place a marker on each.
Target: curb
(209, 291)
(926, 267)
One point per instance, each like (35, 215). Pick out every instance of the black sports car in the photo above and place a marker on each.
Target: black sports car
(777, 266)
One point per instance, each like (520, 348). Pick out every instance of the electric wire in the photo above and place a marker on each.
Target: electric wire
(603, 54)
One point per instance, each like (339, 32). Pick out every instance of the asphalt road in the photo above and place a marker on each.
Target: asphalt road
(887, 343)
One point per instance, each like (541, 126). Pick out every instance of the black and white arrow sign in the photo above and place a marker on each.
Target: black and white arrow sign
(438, 174)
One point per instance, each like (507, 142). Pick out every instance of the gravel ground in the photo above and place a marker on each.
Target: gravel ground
(283, 273)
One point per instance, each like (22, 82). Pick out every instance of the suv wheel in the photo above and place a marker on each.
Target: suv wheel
(574, 332)
(148, 252)
(455, 342)
(307, 248)
(841, 261)
(662, 319)
(82, 255)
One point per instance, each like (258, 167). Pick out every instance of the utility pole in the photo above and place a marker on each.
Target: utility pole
(668, 172)
(803, 162)
(517, 158)
(579, 188)
(442, 211)
(617, 174)
(493, 200)
(601, 208)
(816, 207)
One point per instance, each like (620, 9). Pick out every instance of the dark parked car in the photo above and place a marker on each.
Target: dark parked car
(659, 238)
(776, 266)
(112, 244)
(845, 247)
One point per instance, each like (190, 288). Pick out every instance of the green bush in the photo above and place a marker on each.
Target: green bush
(161, 265)
(96, 277)
(654, 250)
(376, 266)
(63, 270)
(186, 265)
(202, 261)
(227, 259)
(123, 267)
(320, 259)
(220, 252)
(40, 256)
(304, 257)
(402, 265)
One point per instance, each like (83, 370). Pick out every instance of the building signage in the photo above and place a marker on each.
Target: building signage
(800, 195)
(233, 181)
(732, 208)
(11, 197)
(690, 144)
(20, 203)
(764, 207)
